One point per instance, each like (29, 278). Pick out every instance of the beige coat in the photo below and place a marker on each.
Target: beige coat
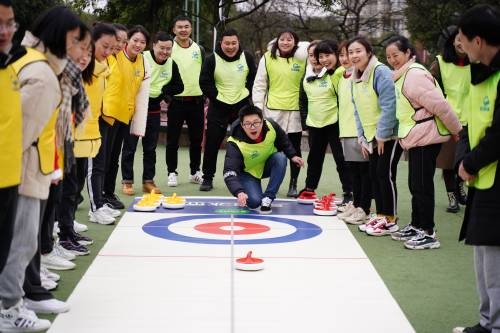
(41, 94)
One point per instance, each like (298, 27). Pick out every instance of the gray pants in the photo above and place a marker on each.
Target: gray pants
(22, 249)
(487, 265)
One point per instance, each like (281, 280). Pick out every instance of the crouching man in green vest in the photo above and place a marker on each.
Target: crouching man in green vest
(478, 33)
(257, 148)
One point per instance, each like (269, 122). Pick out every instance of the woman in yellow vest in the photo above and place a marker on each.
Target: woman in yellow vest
(320, 102)
(375, 113)
(452, 71)
(276, 90)
(478, 158)
(426, 120)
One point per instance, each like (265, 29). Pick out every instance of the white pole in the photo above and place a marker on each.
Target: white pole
(232, 275)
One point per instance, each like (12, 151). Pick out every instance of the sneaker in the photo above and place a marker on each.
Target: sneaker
(72, 246)
(383, 227)
(101, 216)
(345, 210)
(342, 207)
(347, 197)
(453, 206)
(474, 329)
(111, 211)
(207, 185)
(172, 179)
(53, 261)
(19, 319)
(422, 241)
(82, 240)
(358, 216)
(150, 187)
(113, 201)
(265, 205)
(56, 230)
(62, 252)
(197, 178)
(51, 306)
(79, 227)
(306, 197)
(408, 232)
(47, 283)
(372, 220)
(326, 206)
(128, 189)
(46, 274)
(461, 194)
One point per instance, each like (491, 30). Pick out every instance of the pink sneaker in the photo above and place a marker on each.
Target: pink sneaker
(373, 219)
(383, 227)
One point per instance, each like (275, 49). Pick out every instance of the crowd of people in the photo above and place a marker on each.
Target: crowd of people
(76, 100)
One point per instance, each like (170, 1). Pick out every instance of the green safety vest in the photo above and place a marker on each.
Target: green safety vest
(255, 155)
(189, 62)
(230, 79)
(284, 77)
(405, 111)
(347, 123)
(322, 108)
(160, 74)
(482, 107)
(456, 83)
(366, 100)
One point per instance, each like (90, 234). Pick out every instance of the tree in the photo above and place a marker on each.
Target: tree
(26, 11)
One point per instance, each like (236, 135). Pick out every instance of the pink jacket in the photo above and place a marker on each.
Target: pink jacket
(423, 94)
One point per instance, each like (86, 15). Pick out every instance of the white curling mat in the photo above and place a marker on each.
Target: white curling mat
(144, 283)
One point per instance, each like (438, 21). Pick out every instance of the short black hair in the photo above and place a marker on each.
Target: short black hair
(162, 36)
(402, 43)
(181, 18)
(248, 110)
(482, 21)
(363, 41)
(138, 29)
(274, 48)
(101, 29)
(326, 46)
(53, 24)
(229, 32)
(6, 3)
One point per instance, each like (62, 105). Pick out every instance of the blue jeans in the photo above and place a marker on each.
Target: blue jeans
(275, 169)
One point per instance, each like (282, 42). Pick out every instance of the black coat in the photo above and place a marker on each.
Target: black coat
(481, 225)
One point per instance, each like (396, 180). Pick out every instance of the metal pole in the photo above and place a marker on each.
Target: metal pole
(232, 275)
(198, 22)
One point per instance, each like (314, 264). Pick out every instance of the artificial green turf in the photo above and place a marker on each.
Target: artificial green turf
(435, 288)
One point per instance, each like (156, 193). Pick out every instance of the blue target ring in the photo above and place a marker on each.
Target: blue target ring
(159, 228)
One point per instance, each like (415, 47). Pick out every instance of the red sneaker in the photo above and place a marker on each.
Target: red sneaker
(326, 206)
(306, 197)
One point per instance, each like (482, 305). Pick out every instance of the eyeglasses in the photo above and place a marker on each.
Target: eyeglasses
(10, 26)
(255, 124)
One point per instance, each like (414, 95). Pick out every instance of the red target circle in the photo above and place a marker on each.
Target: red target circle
(224, 228)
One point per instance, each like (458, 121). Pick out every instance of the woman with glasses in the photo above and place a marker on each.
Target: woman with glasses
(257, 148)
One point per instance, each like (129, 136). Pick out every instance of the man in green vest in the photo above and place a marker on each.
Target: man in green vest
(226, 79)
(478, 153)
(257, 148)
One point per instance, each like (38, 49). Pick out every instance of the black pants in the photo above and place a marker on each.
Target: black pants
(361, 184)
(193, 114)
(217, 121)
(421, 169)
(114, 141)
(32, 285)
(96, 169)
(49, 217)
(383, 170)
(8, 205)
(295, 139)
(319, 139)
(149, 142)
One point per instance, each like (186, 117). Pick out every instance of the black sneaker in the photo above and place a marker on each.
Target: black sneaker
(347, 197)
(113, 201)
(82, 240)
(461, 194)
(207, 185)
(474, 329)
(68, 244)
(265, 205)
(404, 234)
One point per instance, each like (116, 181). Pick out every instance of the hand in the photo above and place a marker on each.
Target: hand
(242, 199)
(464, 174)
(298, 161)
(365, 152)
(380, 147)
(455, 137)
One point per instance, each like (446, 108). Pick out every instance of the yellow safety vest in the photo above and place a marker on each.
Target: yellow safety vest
(480, 116)
(189, 62)
(11, 117)
(322, 108)
(160, 74)
(284, 75)
(230, 79)
(46, 143)
(347, 123)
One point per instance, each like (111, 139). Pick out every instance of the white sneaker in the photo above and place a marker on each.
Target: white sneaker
(348, 210)
(79, 227)
(46, 274)
(48, 283)
(111, 211)
(357, 217)
(197, 178)
(53, 261)
(19, 319)
(62, 252)
(172, 179)
(101, 216)
(52, 305)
